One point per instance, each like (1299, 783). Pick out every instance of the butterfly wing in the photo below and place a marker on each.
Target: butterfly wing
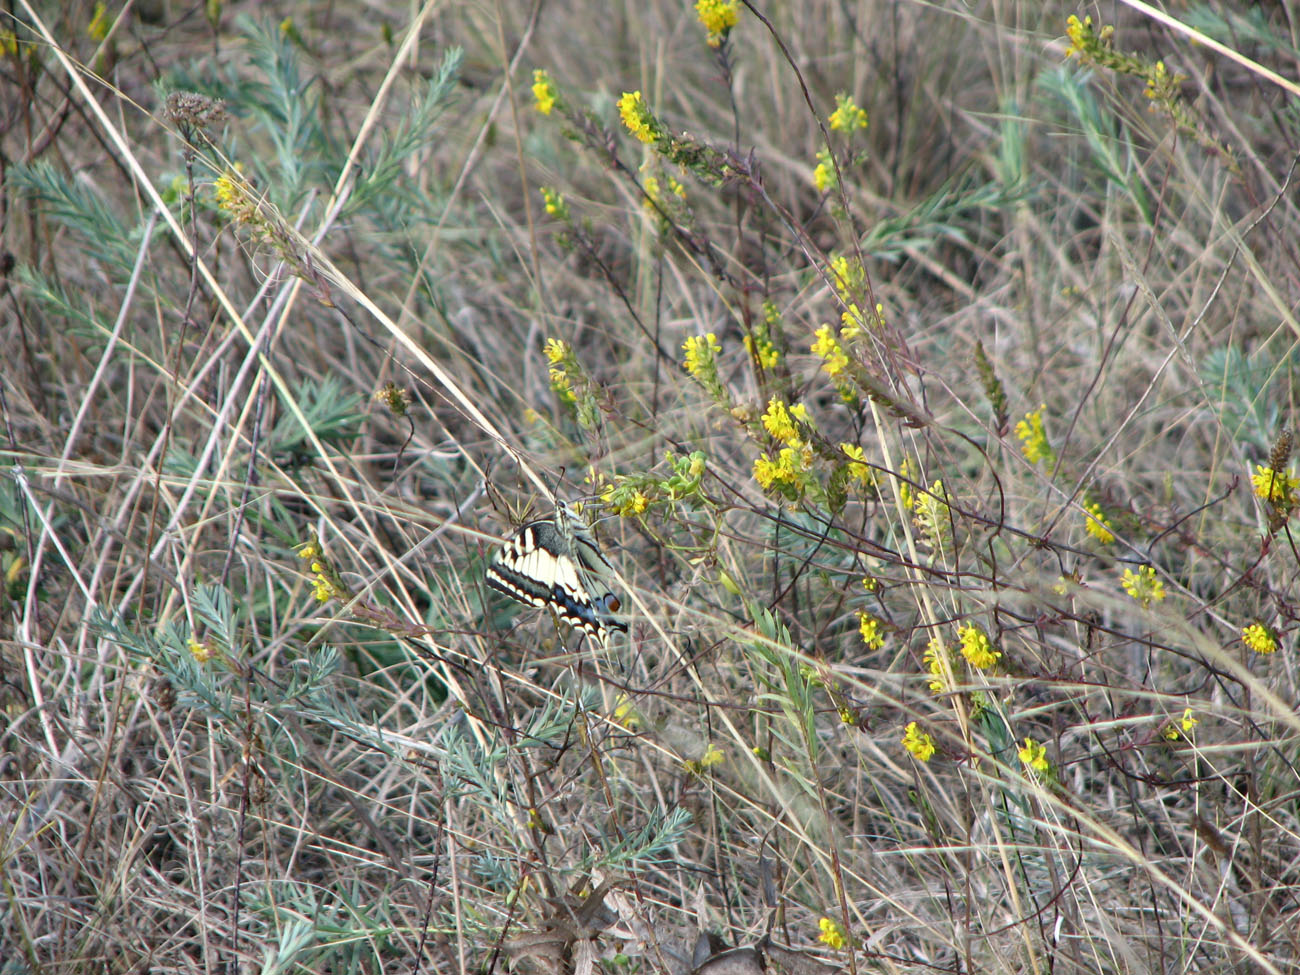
(556, 563)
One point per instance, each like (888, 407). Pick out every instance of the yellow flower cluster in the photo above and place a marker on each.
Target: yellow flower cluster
(554, 203)
(1179, 729)
(559, 355)
(786, 473)
(1276, 487)
(544, 97)
(631, 506)
(780, 421)
(977, 648)
(918, 742)
(718, 17)
(1033, 437)
(832, 934)
(1034, 756)
(930, 513)
(701, 355)
(762, 351)
(235, 201)
(1143, 585)
(326, 584)
(834, 359)
(1259, 638)
(850, 282)
(200, 651)
(847, 116)
(824, 172)
(1097, 524)
(858, 469)
(936, 664)
(1084, 41)
(870, 629)
(638, 119)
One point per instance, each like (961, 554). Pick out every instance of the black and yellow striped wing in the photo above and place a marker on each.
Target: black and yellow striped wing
(555, 563)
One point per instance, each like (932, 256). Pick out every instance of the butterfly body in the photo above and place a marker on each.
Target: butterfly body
(555, 563)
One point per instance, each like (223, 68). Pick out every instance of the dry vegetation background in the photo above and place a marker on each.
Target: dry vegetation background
(206, 768)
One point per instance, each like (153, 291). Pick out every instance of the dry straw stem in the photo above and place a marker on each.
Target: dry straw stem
(1168, 20)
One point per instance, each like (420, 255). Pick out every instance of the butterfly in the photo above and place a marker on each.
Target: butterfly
(555, 563)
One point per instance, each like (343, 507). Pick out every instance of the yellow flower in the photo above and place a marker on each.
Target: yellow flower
(1259, 638)
(918, 743)
(824, 172)
(718, 17)
(778, 422)
(832, 934)
(700, 353)
(554, 202)
(857, 466)
(1143, 585)
(934, 662)
(783, 473)
(977, 648)
(869, 628)
(1276, 487)
(1034, 756)
(637, 118)
(1179, 729)
(1034, 444)
(847, 116)
(762, 350)
(828, 348)
(555, 351)
(930, 513)
(1097, 524)
(543, 92)
(1079, 32)
(234, 199)
(712, 756)
(201, 652)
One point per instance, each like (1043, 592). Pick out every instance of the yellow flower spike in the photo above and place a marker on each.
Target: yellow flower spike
(200, 651)
(824, 172)
(718, 17)
(934, 663)
(920, 744)
(869, 628)
(544, 97)
(832, 934)
(701, 350)
(977, 648)
(1034, 756)
(778, 422)
(827, 347)
(1259, 638)
(637, 118)
(1097, 524)
(847, 116)
(1276, 487)
(554, 203)
(1143, 585)
(1034, 444)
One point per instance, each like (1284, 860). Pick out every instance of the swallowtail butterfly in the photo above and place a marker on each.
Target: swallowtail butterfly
(556, 563)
